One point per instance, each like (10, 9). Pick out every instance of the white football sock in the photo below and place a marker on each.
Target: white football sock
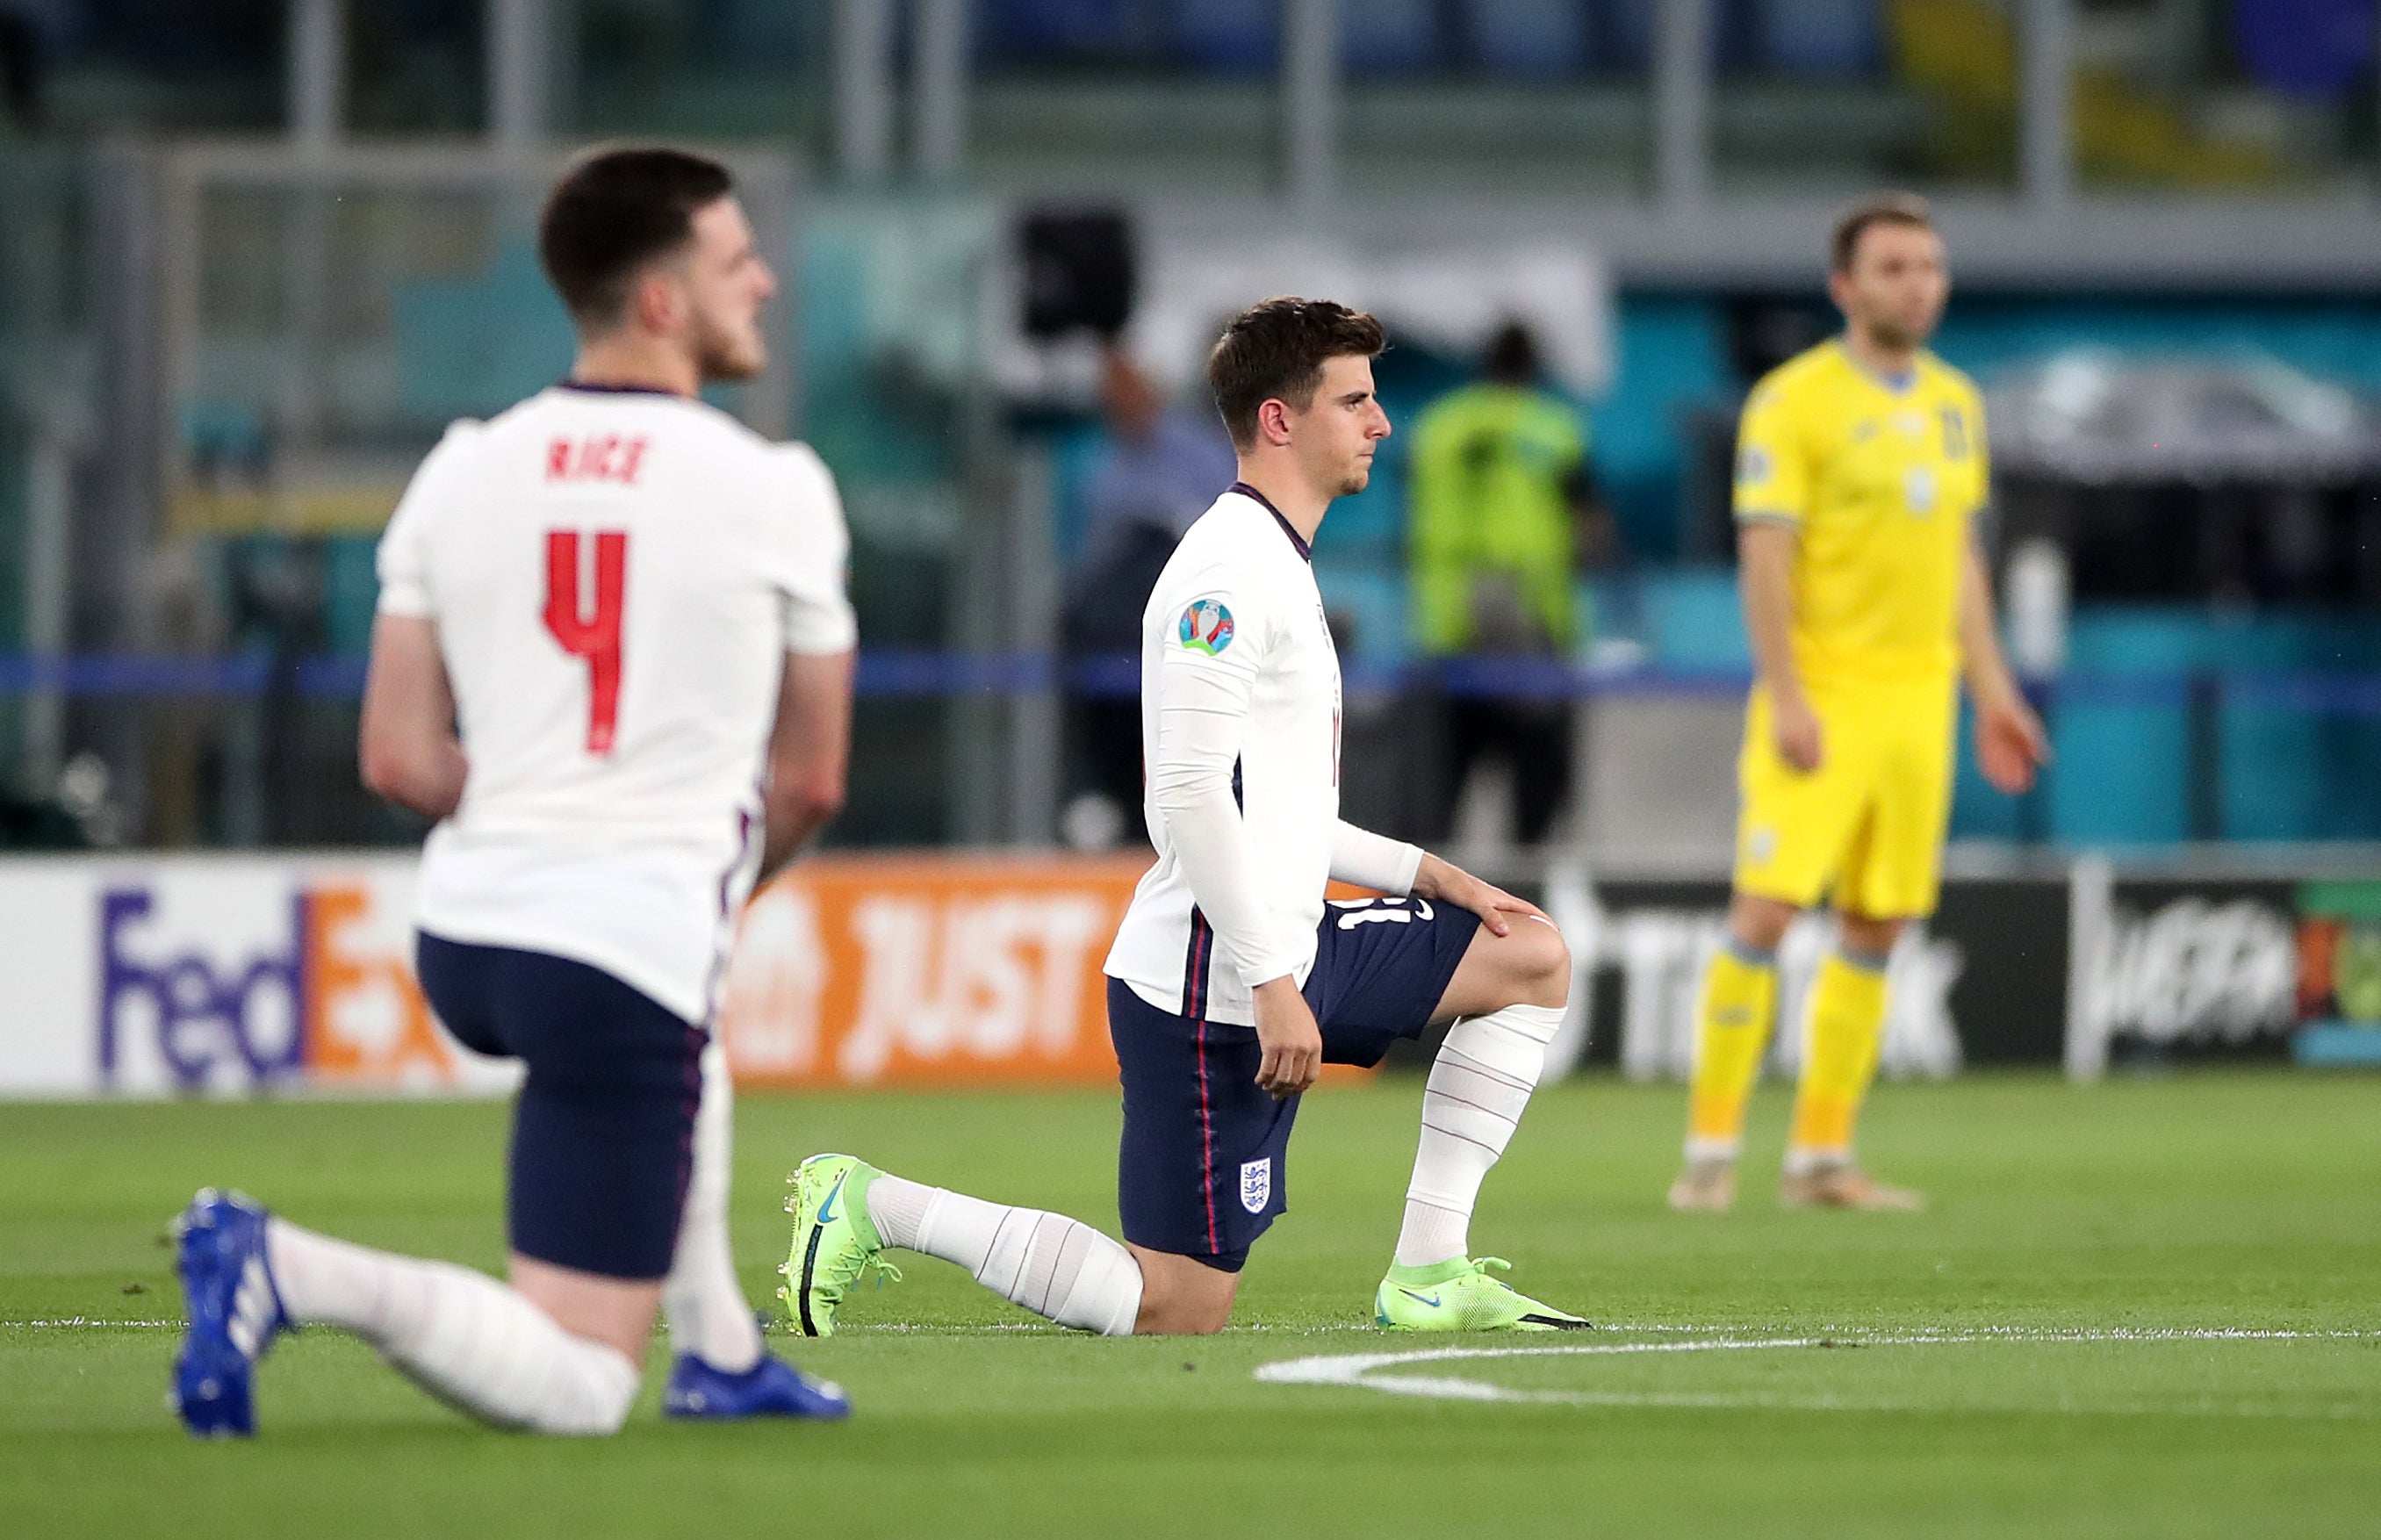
(1054, 1266)
(709, 1315)
(1478, 1086)
(462, 1335)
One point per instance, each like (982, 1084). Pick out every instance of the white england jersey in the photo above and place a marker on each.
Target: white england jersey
(615, 576)
(1240, 699)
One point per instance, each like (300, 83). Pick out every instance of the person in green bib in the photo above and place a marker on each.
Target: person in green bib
(1503, 516)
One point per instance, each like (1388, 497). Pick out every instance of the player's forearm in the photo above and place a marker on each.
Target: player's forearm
(1434, 877)
(1766, 583)
(1981, 659)
(425, 778)
(802, 798)
(1373, 861)
(809, 754)
(791, 819)
(1211, 842)
(406, 750)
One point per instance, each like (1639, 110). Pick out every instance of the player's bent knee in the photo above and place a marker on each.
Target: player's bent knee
(1530, 965)
(1760, 921)
(1869, 935)
(589, 1393)
(1180, 1321)
(1181, 1296)
(1181, 1314)
(1536, 964)
(617, 1313)
(1552, 978)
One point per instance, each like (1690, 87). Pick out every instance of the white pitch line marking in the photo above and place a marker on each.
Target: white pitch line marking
(1359, 1370)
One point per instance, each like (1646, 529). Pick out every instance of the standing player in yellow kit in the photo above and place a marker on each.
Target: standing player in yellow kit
(1859, 472)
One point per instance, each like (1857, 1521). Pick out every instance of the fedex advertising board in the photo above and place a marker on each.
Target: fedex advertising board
(181, 976)
(230, 975)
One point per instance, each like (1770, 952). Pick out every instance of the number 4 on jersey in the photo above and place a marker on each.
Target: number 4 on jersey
(593, 636)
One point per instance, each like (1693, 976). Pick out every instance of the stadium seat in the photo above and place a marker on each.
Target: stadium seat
(1036, 31)
(1693, 621)
(753, 34)
(1819, 40)
(1389, 37)
(1371, 604)
(464, 349)
(2304, 48)
(1621, 33)
(1528, 39)
(1230, 37)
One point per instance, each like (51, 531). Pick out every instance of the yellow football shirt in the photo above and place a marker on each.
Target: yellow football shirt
(1881, 480)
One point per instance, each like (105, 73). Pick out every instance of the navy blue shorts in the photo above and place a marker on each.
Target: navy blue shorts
(602, 1141)
(1201, 1171)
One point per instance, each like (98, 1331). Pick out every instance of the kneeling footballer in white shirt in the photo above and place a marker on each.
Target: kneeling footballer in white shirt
(633, 609)
(1232, 981)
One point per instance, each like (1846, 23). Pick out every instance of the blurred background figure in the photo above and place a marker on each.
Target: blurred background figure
(1160, 465)
(1503, 518)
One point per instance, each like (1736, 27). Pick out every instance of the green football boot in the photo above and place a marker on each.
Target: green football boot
(1456, 1295)
(834, 1242)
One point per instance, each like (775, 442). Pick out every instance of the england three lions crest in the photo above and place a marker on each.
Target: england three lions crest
(1256, 1184)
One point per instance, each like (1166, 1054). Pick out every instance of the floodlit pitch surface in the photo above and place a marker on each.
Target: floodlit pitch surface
(2145, 1309)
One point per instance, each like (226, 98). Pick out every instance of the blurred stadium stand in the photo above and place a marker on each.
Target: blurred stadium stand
(246, 277)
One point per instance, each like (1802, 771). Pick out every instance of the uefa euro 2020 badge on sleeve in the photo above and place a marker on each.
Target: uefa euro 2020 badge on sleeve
(1207, 627)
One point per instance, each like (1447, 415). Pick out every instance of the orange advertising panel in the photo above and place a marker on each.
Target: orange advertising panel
(948, 970)
(364, 1022)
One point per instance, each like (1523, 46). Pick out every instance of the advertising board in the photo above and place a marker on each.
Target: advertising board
(177, 976)
(236, 976)
(2338, 973)
(926, 969)
(2186, 969)
(1980, 982)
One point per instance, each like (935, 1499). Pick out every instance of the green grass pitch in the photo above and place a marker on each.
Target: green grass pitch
(2010, 1363)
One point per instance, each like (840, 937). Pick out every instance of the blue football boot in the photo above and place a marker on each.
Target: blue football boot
(772, 1388)
(234, 1313)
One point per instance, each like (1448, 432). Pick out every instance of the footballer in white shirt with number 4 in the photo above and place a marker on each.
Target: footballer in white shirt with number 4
(613, 666)
(1232, 981)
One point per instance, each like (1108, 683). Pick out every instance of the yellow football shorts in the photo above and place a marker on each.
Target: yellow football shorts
(1867, 825)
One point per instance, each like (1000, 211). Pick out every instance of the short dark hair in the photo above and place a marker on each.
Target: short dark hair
(1883, 208)
(1275, 351)
(614, 211)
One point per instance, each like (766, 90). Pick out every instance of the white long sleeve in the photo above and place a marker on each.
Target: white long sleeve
(1240, 721)
(1373, 861)
(1200, 711)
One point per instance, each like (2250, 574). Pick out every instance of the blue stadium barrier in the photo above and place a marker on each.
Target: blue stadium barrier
(2143, 758)
(914, 673)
